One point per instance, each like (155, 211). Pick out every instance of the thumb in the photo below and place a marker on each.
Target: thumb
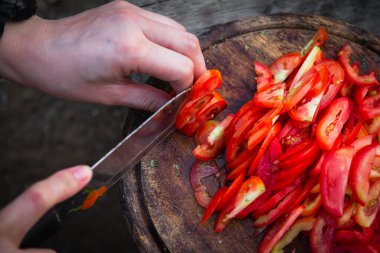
(23, 212)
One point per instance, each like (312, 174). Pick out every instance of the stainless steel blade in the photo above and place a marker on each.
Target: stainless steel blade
(109, 169)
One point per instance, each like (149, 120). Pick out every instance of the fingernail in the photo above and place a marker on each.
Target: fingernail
(81, 172)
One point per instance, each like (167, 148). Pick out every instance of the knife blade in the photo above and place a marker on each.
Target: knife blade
(110, 168)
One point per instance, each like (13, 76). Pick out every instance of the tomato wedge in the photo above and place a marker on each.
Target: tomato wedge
(264, 77)
(213, 204)
(331, 124)
(206, 83)
(250, 190)
(353, 76)
(322, 234)
(283, 66)
(272, 96)
(371, 107)
(333, 179)
(318, 40)
(278, 230)
(365, 215)
(361, 171)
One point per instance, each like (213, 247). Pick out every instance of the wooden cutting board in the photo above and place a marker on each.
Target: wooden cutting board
(158, 202)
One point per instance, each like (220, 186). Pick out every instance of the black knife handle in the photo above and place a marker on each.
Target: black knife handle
(50, 223)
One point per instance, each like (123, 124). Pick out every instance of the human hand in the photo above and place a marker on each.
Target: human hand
(22, 213)
(89, 56)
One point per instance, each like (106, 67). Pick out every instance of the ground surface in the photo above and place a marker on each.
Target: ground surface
(41, 134)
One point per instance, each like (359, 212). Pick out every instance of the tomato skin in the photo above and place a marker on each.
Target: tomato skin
(334, 178)
(352, 128)
(360, 172)
(322, 234)
(365, 215)
(272, 96)
(264, 76)
(336, 74)
(269, 163)
(231, 191)
(278, 230)
(371, 107)
(211, 207)
(204, 130)
(206, 83)
(331, 124)
(348, 87)
(353, 76)
(318, 40)
(200, 170)
(250, 190)
(283, 66)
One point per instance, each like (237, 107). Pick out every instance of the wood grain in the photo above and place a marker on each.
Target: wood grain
(158, 202)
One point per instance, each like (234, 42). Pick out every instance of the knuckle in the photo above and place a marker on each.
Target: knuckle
(62, 178)
(37, 196)
(119, 4)
(187, 68)
(191, 42)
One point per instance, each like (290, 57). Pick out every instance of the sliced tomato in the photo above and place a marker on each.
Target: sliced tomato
(250, 190)
(331, 124)
(334, 178)
(360, 93)
(283, 66)
(308, 153)
(298, 91)
(231, 191)
(306, 110)
(371, 107)
(373, 125)
(200, 170)
(312, 204)
(275, 234)
(318, 40)
(264, 76)
(348, 87)
(206, 83)
(272, 96)
(322, 234)
(213, 204)
(242, 168)
(347, 217)
(352, 128)
(306, 190)
(204, 130)
(353, 76)
(365, 215)
(254, 205)
(336, 74)
(354, 236)
(214, 144)
(303, 224)
(269, 163)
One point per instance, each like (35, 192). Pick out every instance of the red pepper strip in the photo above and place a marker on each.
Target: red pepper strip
(213, 204)
(344, 58)
(360, 93)
(91, 199)
(286, 174)
(282, 184)
(272, 201)
(250, 190)
(268, 140)
(241, 169)
(302, 224)
(230, 193)
(310, 183)
(273, 214)
(278, 230)
(308, 153)
(348, 86)
(296, 148)
(254, 205)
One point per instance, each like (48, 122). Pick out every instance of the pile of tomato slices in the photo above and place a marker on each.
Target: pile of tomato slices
(303, 154)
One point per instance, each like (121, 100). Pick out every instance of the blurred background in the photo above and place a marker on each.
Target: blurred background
(41, 134)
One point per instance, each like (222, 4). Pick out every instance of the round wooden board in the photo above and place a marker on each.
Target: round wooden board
(158, 203)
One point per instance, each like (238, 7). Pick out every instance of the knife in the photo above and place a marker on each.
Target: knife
(109, 169)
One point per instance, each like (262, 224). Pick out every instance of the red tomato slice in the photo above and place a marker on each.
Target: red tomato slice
(200, 170)
(331, 124)
(250, 190)
(318, 40)
(268, 140)
(254, 205)
(352, 128)
(298, 91)
(308, 154)
(322, 234)
(269, 163)
(283, 66)
(231, 191)
(353, 76)
(348, 87)
(306, 110)
(209, 111)
(204, 130)
(278, 230)
(359, 94)
(272, 96)
(365, 215)
(306, 190)
(312, 205)
(333, 179)
(264, 77)
(336, 74)
(206, 83)
(371, 107)
(213, 204)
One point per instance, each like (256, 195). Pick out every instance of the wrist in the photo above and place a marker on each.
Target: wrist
(19, 45)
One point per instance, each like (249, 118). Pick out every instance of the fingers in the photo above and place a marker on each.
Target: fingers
(141, 96)
(22, 213)
(166, 65)
(179, 41)
(38, 251)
